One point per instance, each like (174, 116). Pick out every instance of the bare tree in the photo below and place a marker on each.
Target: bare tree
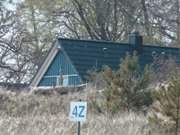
(98, 19)
(13, 58)
(164, 15)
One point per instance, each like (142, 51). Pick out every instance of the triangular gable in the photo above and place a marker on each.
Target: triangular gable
(50, 70)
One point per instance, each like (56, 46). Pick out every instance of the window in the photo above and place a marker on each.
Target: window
(65, 80)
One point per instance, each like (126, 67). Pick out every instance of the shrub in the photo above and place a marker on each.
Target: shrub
(166, 107)
(127, 88)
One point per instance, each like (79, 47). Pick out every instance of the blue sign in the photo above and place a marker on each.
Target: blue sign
(78, 111)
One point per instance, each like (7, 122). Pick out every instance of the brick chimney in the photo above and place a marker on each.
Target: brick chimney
(136, 42)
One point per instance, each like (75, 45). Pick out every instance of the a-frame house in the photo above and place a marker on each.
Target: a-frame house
(69, 60)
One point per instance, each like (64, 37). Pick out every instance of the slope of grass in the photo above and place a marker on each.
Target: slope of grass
(30, 114)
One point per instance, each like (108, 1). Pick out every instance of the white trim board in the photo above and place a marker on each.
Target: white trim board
(45, 65)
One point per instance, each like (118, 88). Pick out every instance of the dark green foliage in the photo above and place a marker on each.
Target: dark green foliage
(166, 109)
(127, 88)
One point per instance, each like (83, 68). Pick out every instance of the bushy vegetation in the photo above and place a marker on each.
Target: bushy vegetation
(154, 90)
(166, 108)
(128, 87)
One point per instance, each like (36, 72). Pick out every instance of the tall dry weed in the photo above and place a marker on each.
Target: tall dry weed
(29, 114)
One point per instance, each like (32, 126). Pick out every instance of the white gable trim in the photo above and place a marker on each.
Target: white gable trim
(45, 65)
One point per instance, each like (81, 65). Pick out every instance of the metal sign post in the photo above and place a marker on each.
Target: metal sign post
(79, 128)
(78, 111)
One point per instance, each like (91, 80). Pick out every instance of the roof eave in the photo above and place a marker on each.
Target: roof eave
(56, 47)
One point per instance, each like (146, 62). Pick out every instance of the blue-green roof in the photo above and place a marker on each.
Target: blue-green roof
(87, 54)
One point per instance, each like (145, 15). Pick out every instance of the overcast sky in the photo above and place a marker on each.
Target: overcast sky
(12, 5)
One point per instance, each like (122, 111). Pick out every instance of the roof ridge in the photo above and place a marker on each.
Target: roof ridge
(89, 40)
(115, 42)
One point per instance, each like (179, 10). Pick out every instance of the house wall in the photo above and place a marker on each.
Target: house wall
(59, 70)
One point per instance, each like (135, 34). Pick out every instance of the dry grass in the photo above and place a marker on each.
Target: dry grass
(29, 114)
(60, 125)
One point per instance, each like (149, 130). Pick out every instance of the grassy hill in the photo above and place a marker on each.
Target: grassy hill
(27, 113)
